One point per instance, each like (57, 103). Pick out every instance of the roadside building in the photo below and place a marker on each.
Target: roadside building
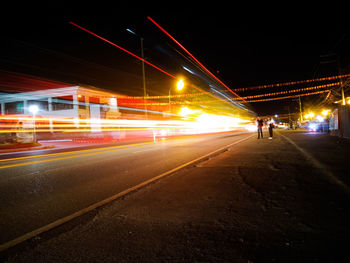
(74, 103)
(339, 121)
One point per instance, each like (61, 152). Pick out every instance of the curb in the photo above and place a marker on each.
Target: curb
(27, 149)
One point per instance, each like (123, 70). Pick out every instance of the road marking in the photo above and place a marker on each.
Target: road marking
(83, 211)
(66, 157)
(323, 168)
(96, 149)
(140, 151)
(92, 152)
(72, 152)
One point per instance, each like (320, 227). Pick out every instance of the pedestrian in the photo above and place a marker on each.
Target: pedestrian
(271, 126)
(260, 124)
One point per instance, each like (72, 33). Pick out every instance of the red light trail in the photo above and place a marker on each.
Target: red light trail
(121, 48)
(193, 57)
(135, 56)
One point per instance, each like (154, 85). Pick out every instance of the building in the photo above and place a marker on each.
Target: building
(339, 121)
(73, 103)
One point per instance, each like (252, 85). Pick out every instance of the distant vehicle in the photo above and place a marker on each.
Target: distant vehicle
(318, 126)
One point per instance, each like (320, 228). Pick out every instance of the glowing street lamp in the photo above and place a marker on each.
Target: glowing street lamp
(310, 115)
(185, 111)
(325, 112)
(33, 109)
(180, 85)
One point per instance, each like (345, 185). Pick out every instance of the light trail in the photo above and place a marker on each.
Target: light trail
(123, 49)
(193, 57)
(189, 125)
(149, 63)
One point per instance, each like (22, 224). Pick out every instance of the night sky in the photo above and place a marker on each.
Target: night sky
(244, 46)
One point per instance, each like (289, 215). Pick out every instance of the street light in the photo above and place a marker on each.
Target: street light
(33, 109)
(179, 86)
(310, 115)
(325, 112)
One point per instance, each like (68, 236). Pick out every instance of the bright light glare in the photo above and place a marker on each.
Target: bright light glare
(325, 112)
(215, 123)
(186, 111)
(251, 127)
(113, 101)
(319, 118)
(312, 126)
(310, 115)
(180, 84)
(33, 109)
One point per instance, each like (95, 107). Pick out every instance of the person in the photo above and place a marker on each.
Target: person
(271, 126)
(260, 123)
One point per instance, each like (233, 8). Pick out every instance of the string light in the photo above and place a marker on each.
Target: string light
(292, 91)
(292, 83)
(289, 97)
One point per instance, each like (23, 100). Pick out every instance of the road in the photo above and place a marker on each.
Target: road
(280, 200)
(38, 190)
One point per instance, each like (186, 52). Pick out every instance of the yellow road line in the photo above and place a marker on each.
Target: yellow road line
(72, 152)
(89, 152)
(67, 157)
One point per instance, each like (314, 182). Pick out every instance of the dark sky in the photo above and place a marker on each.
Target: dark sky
(245, 46)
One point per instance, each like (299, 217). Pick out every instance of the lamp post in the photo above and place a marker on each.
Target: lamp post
(143, 69)
(34, 109)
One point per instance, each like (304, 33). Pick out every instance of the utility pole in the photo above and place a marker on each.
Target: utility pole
(144, 78)
(143, 70)
(301, 112)
(341, 81)
(336, 59)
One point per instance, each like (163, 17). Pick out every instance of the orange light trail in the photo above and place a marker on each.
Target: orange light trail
(23, 124)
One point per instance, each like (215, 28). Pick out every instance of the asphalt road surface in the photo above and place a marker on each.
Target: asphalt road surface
(280, 200)
(37, 190)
